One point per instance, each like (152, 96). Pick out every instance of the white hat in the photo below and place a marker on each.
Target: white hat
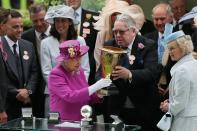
(189, 15)
(61, 11)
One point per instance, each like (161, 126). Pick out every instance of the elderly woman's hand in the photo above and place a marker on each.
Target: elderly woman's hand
(99, 85)
(194, 54)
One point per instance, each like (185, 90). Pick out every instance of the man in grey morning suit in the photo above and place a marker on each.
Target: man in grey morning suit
(21, 66)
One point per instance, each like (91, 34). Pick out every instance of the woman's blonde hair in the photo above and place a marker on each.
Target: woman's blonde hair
(184, 43)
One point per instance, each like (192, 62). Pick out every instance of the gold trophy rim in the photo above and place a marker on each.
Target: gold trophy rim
(113, 50)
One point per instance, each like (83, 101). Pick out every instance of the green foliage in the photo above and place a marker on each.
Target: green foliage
(95, 5)
(26, 20)
(50, 2)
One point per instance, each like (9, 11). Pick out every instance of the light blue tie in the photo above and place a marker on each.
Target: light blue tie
(160, 49)
(76, 15)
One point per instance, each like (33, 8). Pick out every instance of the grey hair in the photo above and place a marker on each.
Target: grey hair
(128, 20)
(167, 7)
(185, 44)
(36, 8)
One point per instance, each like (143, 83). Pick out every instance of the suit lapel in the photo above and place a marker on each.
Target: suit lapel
(10, 58)
(134, 46)
(156, 38)
(34, 38)
(137, 52)
(24, 56)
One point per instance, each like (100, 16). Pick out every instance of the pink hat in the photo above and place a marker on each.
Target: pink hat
(71, 49)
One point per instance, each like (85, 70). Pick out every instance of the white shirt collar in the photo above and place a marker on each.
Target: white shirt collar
(174, 22)
(131, 44)
(11, 42)
(47, 32)
(160, 35)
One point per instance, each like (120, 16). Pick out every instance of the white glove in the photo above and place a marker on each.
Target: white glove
(99, 85)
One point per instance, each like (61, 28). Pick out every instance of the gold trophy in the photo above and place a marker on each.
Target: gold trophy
(110, 57)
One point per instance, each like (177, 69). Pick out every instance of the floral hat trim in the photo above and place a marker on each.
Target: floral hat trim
(71, 49)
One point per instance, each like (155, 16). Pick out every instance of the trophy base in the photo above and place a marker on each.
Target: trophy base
(111, 90)
(85, 122)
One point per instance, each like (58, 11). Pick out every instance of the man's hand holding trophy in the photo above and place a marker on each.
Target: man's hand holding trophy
(110, 58)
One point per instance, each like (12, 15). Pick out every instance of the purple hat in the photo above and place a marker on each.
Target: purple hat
(71, 49)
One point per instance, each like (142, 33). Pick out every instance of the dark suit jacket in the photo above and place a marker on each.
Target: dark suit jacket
(141, 90)
(38, 98)
(187, 28)
(3, 82)
(30, 75)
(89, 34)
(154, 36)
(147, 27)
(194, 39)
(30, 36)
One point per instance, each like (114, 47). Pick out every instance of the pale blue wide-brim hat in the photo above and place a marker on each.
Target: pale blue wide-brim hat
(59, 11)
(174, 36)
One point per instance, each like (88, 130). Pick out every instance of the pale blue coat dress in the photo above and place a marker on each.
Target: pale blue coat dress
(183, 94)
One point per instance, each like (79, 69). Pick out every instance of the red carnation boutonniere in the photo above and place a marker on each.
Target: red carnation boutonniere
(140, 46)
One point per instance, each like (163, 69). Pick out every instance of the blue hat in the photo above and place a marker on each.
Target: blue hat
(174, 36)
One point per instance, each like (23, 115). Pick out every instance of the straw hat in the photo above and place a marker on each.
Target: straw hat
(111, 7)
(136, 12)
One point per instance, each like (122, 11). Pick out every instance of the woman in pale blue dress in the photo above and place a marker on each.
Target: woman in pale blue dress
(61, 18)
(182, 103)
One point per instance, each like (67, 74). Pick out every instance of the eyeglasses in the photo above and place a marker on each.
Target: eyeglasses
(121, 32)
